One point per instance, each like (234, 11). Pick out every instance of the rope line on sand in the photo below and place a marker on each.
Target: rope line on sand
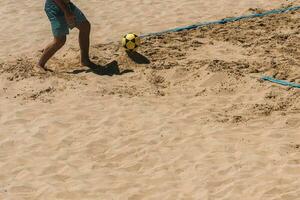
(281, 82)
(223, 21)
(234, 19)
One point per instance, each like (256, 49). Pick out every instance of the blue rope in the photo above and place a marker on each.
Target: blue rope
(281, 82)
(233, 19)
(223, 21)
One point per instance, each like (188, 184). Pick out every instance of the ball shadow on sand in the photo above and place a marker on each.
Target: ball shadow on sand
(109, 69)
(137, 57)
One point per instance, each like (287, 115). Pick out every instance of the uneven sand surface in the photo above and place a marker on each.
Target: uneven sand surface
(185, 118)
(25, 27)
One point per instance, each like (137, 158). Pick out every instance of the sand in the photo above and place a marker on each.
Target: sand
(24, 25)
(184, 118)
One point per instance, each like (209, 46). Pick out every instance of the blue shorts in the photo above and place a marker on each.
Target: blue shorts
(57, 19)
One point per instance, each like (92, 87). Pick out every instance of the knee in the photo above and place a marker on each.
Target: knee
(59, 42)
(88, 26)
(85, 27)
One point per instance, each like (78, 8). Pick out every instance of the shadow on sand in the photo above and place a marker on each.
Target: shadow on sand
(137, 57)
(110, 69)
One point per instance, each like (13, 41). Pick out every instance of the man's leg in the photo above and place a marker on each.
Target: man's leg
(51, 49)
(84, 43)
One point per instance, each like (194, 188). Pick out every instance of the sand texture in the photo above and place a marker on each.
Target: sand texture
(24, 26)
(186, 117)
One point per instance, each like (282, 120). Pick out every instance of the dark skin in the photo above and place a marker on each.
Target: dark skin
(58, 42)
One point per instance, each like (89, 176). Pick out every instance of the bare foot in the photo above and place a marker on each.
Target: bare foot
(41, 69)
(89, 64)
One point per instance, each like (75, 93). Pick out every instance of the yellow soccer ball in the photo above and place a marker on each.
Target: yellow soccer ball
(131, 41)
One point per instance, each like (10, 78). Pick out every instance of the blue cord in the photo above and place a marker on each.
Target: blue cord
(223, 21)
(281, 82)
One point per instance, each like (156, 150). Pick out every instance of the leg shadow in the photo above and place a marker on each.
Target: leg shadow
(137, 57)
(109, 69)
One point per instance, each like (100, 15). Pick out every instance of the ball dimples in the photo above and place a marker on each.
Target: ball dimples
(131, 41)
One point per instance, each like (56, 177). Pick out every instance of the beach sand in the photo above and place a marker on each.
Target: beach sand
(186, 117)
(25, 28)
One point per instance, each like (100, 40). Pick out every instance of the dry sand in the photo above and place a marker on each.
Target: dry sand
(24, 26)
(187, 118)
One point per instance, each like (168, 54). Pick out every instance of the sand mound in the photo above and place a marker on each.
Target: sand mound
(110, 19)
(185, 118)
(222, 59)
